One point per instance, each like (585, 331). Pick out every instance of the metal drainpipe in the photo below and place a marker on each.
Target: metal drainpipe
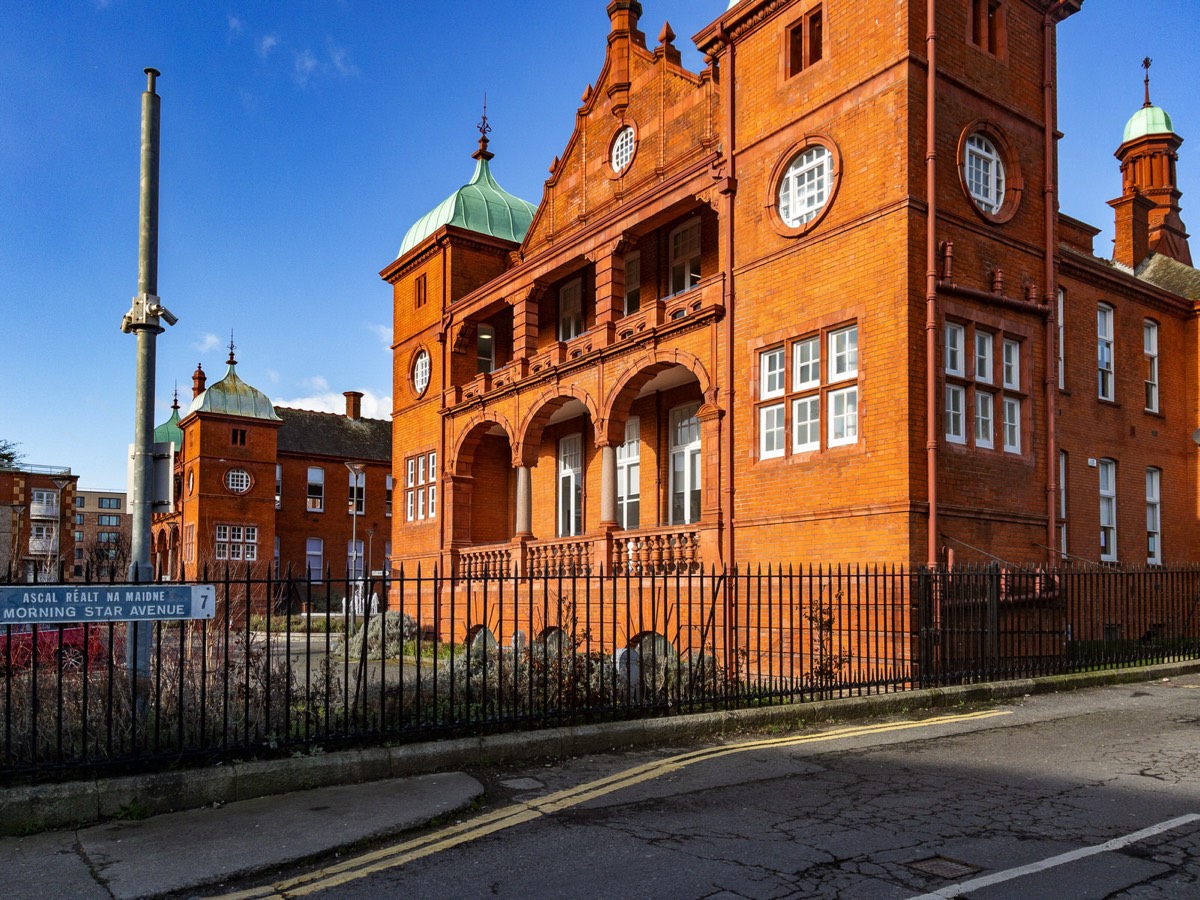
(1051, 188)
(931, 441)
(729, 80)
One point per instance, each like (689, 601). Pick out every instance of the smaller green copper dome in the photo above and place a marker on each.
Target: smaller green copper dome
(1148, 120)
(480, 205)
(170, 430)
(233, 397)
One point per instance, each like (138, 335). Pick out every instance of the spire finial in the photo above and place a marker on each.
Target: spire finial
(232, 361)
(175, 401)
(484, 130)
(1146, 63)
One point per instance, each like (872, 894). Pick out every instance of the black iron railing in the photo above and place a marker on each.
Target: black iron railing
(295, 665)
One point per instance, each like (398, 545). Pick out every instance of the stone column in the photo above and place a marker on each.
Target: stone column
(608, 485)
(524, 502)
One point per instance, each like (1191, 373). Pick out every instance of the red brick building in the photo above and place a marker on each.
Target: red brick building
(813, 302)
(270, 490)
(36, 540)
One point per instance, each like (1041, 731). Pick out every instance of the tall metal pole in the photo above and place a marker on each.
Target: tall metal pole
(143, 321)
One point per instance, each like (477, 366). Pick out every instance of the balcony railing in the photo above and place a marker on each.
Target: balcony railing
(43, 546)
(660, 551)
(560, 556)
(670, 549)
(705, 299)
(486, 562)
(44, 510)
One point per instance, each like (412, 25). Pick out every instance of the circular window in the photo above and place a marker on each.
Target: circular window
(804, 189)
(983, 169)
(622, 149)
(237, 480)
(420, 372)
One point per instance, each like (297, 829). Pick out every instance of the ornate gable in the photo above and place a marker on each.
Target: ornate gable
(645, 118)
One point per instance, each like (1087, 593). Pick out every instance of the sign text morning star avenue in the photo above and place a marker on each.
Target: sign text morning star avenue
(105, 603)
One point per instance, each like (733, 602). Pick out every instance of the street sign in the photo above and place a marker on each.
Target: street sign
(37, 603)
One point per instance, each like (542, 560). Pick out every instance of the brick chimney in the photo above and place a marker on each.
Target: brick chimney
(1132, 243)
(353, 404)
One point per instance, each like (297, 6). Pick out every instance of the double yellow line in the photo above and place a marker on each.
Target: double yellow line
(519, 813)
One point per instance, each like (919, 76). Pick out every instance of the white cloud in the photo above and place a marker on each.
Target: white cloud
(235, 26)
(304, 66)
(340, 60)
(374, 406)
(384, 333)
(317, 384)
(266, 44)
(207, 342)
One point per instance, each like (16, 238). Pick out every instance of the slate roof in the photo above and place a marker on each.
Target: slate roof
(330, 434)
(1171, 275)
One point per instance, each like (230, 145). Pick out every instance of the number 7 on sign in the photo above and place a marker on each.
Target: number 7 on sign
(206, 594)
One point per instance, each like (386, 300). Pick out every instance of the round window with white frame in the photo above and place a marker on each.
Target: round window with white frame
(237, 481)
(420, 372)
(805, 187)
(983, 169)
(622, 149)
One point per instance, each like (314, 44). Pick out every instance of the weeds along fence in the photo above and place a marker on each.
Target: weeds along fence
(299, 666)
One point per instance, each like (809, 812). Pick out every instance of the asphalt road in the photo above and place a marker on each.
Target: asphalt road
(1090, 794)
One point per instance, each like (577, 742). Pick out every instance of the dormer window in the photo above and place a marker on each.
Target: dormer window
(806, 42)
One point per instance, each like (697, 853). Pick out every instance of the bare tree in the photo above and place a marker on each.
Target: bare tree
(108, 558)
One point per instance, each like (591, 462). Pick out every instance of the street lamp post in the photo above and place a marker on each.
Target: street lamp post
(356, 473)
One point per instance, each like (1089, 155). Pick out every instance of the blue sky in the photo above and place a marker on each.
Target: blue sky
(299, 142)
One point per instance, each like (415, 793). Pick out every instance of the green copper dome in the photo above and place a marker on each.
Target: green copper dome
(1148, 120)
(170, 430)
(233, 397)
(480, 205)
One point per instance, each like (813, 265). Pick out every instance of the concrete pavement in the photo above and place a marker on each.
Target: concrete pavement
(205, 847)
(176, 832)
